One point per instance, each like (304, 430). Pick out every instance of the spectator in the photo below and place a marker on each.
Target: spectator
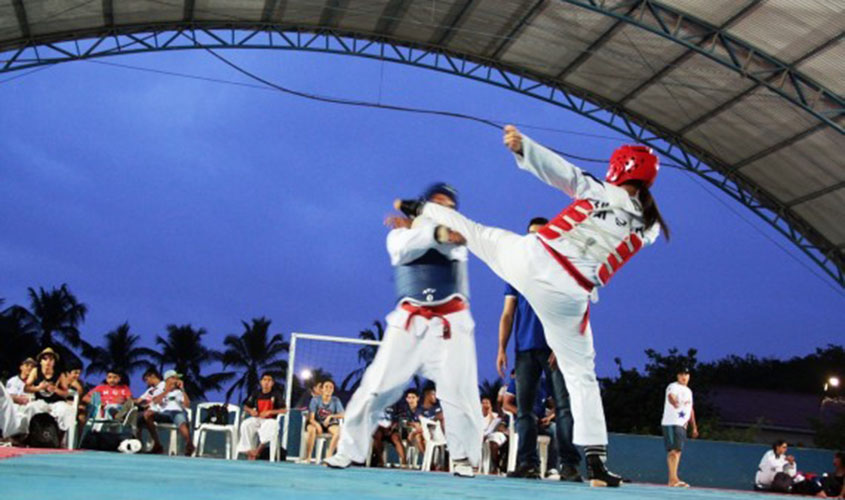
(388, 431)
(169, 407)
(12, 423)
(494, 433)
(315, 391)
(16, 386)
(155, 387)
(409, 422)
(503, 389)
(776, 469)
(431, 409)
(834, 484)
(113, 395)
(324, 414)
(263, 406)
(678, 413)
(50, 395)
(534, 358)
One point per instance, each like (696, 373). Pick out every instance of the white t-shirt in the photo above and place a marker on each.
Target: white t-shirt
(173, 401)
(491, 421)
(15, 386)
(681, 414)
(152, 392)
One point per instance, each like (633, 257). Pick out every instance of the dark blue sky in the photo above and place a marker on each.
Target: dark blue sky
(166, 200)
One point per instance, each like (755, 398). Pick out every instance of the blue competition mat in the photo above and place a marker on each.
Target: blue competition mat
(112, 476)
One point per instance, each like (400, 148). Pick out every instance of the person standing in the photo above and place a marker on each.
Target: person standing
(534, 358)
(430, 332)
(678, 414)
(560, 269)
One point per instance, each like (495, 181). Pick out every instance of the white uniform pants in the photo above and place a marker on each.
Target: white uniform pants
(450, 363)
(560, 304)
(257, 431)
(62, 411)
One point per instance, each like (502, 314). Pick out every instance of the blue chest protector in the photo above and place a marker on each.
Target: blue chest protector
(431, 278)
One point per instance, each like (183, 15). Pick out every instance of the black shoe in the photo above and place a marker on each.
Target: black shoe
(411, 208)
(525, 471)
(570, 473)
(599, 475)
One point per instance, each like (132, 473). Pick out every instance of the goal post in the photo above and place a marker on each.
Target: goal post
(343, 359)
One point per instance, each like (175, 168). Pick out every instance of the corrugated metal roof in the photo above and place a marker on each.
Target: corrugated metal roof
(771, 116)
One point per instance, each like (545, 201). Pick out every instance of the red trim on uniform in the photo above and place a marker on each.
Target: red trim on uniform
(569, 267)
(626, 253)
(438, 311)
(577, 276)
(564, 225)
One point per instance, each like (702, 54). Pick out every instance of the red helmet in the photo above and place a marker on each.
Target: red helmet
(629, 163)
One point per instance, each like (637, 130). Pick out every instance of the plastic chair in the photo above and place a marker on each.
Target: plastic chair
(71, 433)
(319, 443)
(513, 441)
(172, 448)
(201, 429)
(434, 441)
(97, 420)
(275, 444)
(543, 451)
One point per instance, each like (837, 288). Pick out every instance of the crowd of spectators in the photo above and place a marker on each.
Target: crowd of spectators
(40, 387)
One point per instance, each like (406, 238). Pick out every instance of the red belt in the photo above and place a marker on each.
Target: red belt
(579, 278)
(438, 311)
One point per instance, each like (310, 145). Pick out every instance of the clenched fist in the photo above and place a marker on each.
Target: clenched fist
(513, 139)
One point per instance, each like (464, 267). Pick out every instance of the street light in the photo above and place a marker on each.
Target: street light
(832, 383)
(306, 374)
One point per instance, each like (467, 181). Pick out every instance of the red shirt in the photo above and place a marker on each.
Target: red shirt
(112, 395)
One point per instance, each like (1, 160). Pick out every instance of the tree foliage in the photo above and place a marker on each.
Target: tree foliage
(252, 353)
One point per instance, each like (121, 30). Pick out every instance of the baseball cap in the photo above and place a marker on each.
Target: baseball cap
(172, 373)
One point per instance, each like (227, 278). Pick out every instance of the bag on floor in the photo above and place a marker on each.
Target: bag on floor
(43, 431)
(102, 441)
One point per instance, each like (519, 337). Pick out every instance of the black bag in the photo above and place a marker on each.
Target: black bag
(43, 431)
(217, 414)
(102, 441)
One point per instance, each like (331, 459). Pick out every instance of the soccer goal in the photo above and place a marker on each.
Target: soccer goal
(313, 358)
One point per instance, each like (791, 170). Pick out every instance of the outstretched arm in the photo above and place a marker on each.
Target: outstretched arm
(548, 166)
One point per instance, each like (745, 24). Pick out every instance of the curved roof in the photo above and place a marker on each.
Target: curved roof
(753, 88)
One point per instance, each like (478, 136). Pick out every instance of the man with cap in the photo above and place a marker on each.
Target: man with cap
(430, 332)
(46, 384)
(678, 414)
(169, 407)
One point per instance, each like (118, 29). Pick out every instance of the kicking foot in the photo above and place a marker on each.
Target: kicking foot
(462, 468)
(411, 208)
(338, 461)
(525, 471)
(599, 476)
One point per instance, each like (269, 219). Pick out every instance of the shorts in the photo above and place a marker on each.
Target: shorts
(674, 437)
(175, 417)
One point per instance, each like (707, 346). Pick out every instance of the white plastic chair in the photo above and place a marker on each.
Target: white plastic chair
(275, 444)
(435, 440)
(513, 441)
(543, 451)
(201, 429)
(71, 433)
(173, 445)
(319, 443)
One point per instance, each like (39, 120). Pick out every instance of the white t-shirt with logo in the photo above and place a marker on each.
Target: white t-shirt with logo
(173, 401)
(15, 386)
(681, 414)
(152, 392)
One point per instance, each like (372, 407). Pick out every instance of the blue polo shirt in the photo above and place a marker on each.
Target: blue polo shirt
(527, 329)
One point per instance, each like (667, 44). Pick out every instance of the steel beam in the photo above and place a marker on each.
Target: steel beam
(391, 16)
(23, 23)
(816, 194)
(687, 156)
(520, 25)
(452, 20)
(826, 105)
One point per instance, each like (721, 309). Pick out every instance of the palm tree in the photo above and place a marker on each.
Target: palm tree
(183, 349)
(121, 353)
(252, 353)
(366, 354)
(17, 340)
(56, 313)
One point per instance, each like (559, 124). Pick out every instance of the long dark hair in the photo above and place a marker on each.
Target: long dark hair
(651, 213)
